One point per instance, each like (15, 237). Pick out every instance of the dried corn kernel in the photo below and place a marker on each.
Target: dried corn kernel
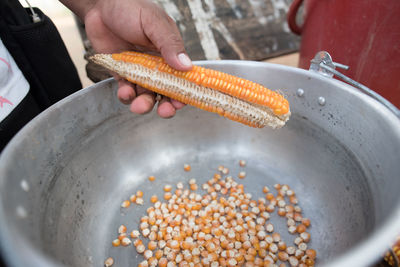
(292, 229)
(126, 241)
(293, 261)
(132, 198)
(187, 167)
(139, 193)
(140, 248)
(301, 228)
(122, 229)
(109, 262)
(135, 234)
(269, 227)
(311, 253)
(143, 264)
(116, 242)
(153, 199)
(302, 246)
(193, 187)
(139, 201)
(147, 254)
(306, 222)
(125, 204)
(167, 188)
(167, 196)
(305, 236)
(283, 256)
(137, 242)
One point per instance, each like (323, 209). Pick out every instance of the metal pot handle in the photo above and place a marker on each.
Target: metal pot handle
(291, 18)
(323, 64)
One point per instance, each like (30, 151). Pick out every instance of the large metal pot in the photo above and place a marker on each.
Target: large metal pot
(63, 177)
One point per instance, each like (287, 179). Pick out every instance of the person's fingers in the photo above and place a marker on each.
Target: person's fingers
(153, 30)
(144, 102)
(177, 104)
(126, 91)
(162, 31)
(165, 109)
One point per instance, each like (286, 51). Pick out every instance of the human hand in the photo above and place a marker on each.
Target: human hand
(141, 25)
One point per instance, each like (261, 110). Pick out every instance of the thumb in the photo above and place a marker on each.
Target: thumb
(178, 60)
(164, 35)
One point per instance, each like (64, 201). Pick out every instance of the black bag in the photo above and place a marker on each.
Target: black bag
(41, 55)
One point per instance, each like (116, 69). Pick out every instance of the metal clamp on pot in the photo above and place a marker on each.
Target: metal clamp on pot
(323, 64)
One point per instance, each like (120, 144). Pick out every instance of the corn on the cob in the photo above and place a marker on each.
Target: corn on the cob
(229, 96)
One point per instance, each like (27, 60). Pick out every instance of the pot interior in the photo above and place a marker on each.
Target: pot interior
(82, 209)
(67, 184)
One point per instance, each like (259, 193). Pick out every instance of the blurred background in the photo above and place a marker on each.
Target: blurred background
(279, 46)
(64, 20)
(258, 30)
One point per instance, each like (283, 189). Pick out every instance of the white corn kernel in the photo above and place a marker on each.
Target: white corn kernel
(269, 227)
(109, 262)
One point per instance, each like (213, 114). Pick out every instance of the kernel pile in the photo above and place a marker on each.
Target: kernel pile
(222, 227)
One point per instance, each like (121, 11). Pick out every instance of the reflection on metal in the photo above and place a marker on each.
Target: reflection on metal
(300, 92)
(321, 101)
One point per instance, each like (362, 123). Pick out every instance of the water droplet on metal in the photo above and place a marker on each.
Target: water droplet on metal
(321, 101)
(21, 212)
(24, 185)
(300, 92)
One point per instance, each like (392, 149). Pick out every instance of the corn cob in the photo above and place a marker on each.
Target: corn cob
(229, 96)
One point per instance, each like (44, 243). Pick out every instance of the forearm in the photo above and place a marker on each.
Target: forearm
(79, 7)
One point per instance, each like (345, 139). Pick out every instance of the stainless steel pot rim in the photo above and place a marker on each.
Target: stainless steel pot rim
(364, 253)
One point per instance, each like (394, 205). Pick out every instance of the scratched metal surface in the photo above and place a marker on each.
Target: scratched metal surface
(233, 29)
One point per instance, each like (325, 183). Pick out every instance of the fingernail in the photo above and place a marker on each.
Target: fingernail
(185, 60)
